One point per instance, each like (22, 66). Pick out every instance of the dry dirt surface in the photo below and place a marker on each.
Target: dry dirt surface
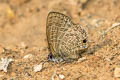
(23, 39)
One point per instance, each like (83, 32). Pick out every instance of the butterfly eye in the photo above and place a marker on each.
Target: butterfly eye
(84, 41)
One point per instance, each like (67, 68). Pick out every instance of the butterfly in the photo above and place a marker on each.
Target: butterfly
(66, 40)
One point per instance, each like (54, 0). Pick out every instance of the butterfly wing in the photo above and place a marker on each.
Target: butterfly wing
(56, 26)
(72, 44)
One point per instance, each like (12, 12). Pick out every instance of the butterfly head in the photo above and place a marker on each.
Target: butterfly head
(83, 39)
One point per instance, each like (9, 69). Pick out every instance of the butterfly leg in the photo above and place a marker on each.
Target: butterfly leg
(50, 57)
(54, 59)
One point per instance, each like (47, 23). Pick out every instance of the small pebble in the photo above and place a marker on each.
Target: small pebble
(38, 68)
(55, 76)
(115, 24)
(28, 56)
(82, 59)
(4, 63)
(61, 76)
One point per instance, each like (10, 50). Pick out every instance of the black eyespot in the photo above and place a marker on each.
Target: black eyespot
(84, 41)
(50, 56)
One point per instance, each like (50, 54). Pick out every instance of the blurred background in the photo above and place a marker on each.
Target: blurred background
(25, 20)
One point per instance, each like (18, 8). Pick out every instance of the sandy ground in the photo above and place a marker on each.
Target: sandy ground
(23, 32)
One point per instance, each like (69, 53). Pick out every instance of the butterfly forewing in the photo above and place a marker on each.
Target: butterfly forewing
(56, 26)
